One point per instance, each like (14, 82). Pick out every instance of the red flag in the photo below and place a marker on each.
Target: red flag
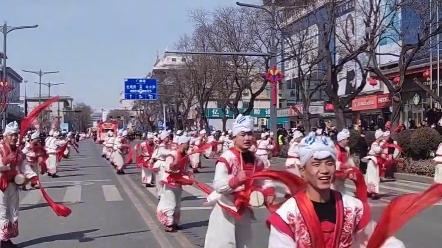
(27, 121)
(59, 209)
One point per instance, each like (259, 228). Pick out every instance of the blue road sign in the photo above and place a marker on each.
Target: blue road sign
(140, 89)
(160, 125)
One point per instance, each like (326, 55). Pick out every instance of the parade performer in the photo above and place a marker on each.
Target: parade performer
(70, 140)
(53, 144)
(12, 163)
(121, 152)
(263, 148)
(319, 216)
(195, 143)
(32, 154)
(108, 144)
(231, 172)
(169, 207)
(228, 141)
(438, 161)
(159, 157)
(210, 152)
(220, 145)
(293, 163)
(343, 161)
(374, 160)
(174, 143)
(146, 151)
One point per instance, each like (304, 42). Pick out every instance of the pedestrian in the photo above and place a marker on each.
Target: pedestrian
(362, 147)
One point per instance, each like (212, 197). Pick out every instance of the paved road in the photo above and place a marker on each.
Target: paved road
(422, 231)
(117, 212)
(103, 215)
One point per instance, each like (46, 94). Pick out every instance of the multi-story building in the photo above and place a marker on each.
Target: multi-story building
(61, 109)
(13, 111)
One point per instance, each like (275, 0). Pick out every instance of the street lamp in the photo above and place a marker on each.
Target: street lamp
(6, 30)
(40, 74)
(49, 85)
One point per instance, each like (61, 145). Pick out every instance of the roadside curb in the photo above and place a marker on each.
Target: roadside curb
(414, 178)
(400, 176)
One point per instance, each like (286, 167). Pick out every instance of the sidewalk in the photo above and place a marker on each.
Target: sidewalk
(399, 176)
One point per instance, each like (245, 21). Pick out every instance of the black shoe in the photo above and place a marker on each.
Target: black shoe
(54, 176)
(8, 244)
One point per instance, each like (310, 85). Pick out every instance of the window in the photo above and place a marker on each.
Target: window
(219, 105)
(183, 60)
(245, 104)
(173, 59)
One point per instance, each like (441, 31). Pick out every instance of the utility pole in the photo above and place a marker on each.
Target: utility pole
(6, 30)
(273, 57)
(49, 85)
(40, 74)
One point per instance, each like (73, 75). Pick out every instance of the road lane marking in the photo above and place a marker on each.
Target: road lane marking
(151, 224)
(194, 191)
(72, 194)
(196, 208)
(179, 236)
(111, 193)
(32, 197)
(73, 182)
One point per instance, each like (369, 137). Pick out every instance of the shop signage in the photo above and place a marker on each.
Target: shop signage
(289, 112)
(218, 113)
(329, 107)
(316, 110)
(371, 102)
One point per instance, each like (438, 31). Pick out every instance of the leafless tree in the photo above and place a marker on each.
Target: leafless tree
(398, 40)
(203, 75)
(147, 113)
(81, 116)
(230, 29)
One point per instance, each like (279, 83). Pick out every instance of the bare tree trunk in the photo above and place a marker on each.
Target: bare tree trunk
(340, 119)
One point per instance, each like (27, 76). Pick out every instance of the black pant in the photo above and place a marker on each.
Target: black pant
(389, 172)
(362, 165)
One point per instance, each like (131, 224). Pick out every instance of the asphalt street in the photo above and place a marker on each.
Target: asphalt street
(118, 212)
(103, 215)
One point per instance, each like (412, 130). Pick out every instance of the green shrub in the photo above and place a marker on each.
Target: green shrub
(423, 141)
(403, 140)
(423, 167)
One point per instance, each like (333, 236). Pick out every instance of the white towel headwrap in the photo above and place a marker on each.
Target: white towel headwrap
(242, 124)
(12, 127)
(297, 134)
(164, 135)
(35, 135)
(316, 147)
(344, 134)
(183, 140)
(378, 134)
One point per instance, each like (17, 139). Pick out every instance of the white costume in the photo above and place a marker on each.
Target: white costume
(109, 144)
(120, 151)
(28, 150)
(147, 175)
(227, 227)
(342, 161)
(169, 207)
(10, 171)
(264, 148)
(289, 227)
(195, 158)
(293, 163)
(52, 145)
(208, 153)
(372, 178)
(159, 155)
(220, 145)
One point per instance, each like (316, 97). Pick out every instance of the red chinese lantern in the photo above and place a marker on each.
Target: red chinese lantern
(426, 74)
(396, 80)
(372, 81)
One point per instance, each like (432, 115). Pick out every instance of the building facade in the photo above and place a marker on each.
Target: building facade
(61, 109)
(13, 110)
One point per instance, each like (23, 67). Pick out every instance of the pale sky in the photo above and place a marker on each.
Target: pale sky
(94, 44)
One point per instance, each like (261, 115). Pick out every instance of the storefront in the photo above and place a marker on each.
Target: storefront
(372, 108)
(288, 117)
